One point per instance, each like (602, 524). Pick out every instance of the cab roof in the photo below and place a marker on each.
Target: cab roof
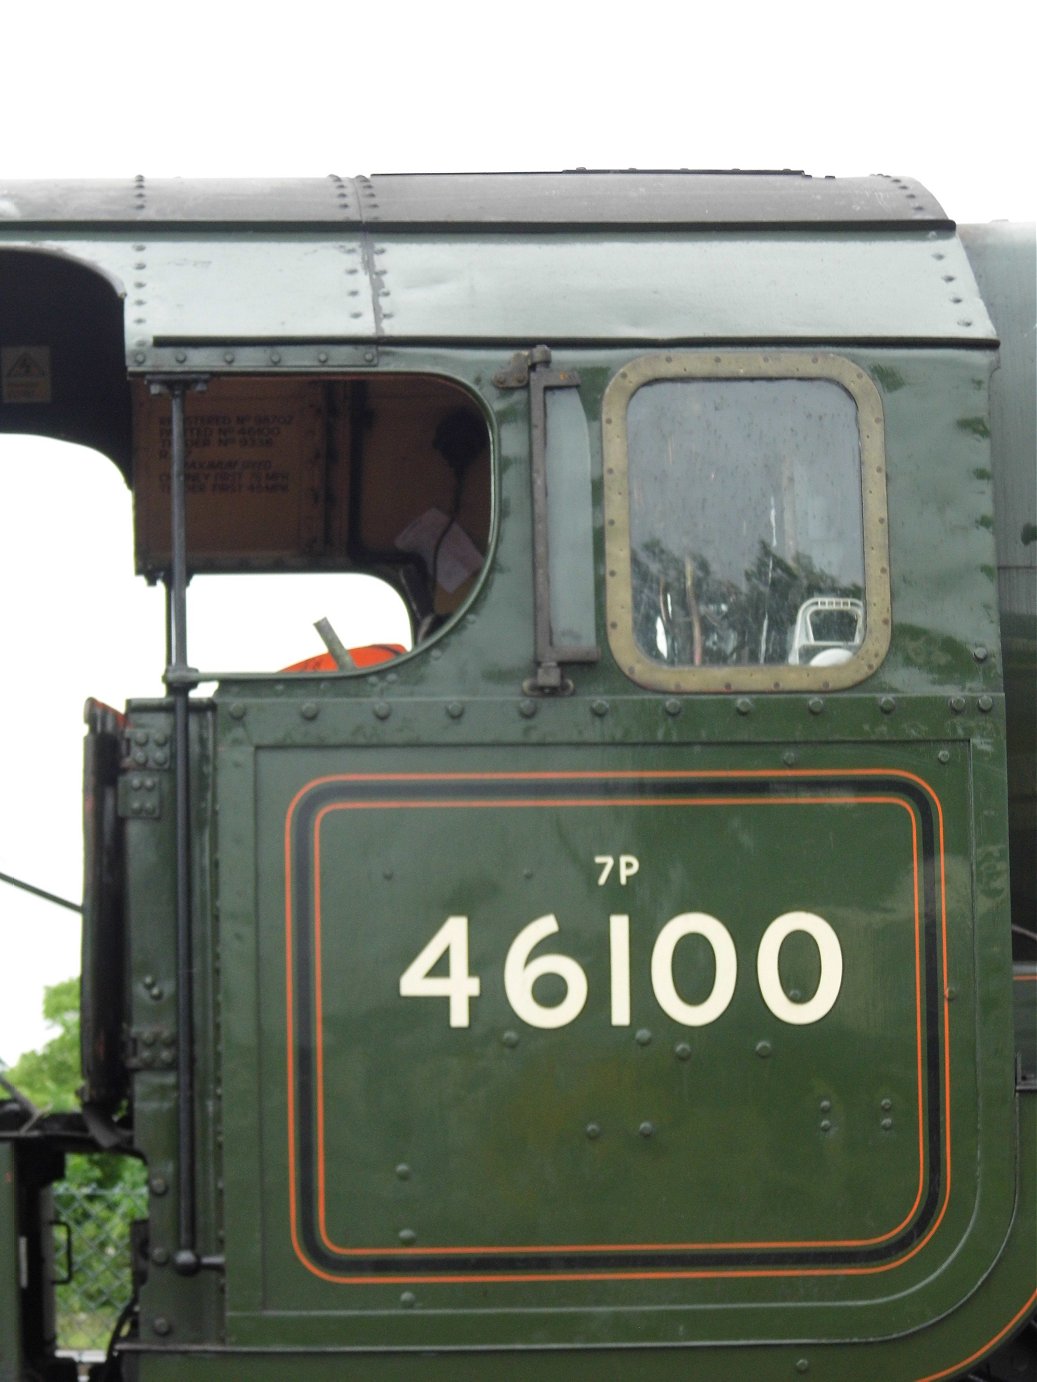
(602, 199)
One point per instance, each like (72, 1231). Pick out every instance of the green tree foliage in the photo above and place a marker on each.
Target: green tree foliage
(50, 1076)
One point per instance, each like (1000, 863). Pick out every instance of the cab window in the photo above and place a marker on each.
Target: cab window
(745, 522)
(307, 484)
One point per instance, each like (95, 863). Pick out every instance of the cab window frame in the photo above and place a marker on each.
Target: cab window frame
(771, 365)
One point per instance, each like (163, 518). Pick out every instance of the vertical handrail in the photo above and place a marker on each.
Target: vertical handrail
(180, 678)
(186, 1256)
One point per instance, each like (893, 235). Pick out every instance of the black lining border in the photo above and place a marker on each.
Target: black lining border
(484, 1263)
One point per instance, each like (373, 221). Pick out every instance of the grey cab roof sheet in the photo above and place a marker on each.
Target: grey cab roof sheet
(312, 272)
(578, 198)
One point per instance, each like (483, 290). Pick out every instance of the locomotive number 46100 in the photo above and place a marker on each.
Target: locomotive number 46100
(459, 986)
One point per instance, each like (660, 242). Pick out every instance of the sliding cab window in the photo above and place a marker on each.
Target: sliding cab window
(745, 522)
(364, 502)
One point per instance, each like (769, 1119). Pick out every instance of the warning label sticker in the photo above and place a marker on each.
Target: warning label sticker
(25, 374)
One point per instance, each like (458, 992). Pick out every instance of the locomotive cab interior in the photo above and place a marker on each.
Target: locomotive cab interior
(388, 476)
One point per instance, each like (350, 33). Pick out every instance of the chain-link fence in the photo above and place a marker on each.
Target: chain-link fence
(95, 1220)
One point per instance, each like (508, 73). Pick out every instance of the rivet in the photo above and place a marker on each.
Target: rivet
(148, 981)
(887, 705)
(160, 1256)
(510, 1039)
(599, 708)
(986, 704)
(403, 1171)
(593, 1131)
(886, 1104)
(788, 758)
(159, 1185)
(156, 992)
(950, 993)
(682, 1051)
(826, 1125)
(743, 705)
(181, 356)
(407, 1236)
(944, 756)
(275, 357)
(673, 706)
(802, 1365)
(382, 710)
(455, 710)
(161, 1325)
(646, 1129)
(763, 1049)
(308, 710)
(957, 704)
(228, 357)
(887, 1123)
(161, 759)
(408, 1300)
(815, 705)
(527, 873)
(322, 357)
(643, 1037)
(368, 354)
(237, 711)
(980, 653)
(825, 1105)
(387, 874)
(136, 808)
(136, 784)
(139, 358)
(527, 709)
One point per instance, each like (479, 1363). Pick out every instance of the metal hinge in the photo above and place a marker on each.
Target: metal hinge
(149, 1048)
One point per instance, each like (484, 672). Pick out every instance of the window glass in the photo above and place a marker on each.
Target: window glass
(746, 522)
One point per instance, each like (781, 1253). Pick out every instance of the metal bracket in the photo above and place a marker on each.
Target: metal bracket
(150, 1048)
(515, 374)
(145, 756)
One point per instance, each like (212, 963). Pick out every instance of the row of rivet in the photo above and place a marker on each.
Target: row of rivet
(527, 708)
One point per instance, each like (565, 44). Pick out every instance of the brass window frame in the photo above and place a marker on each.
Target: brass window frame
(745, 365)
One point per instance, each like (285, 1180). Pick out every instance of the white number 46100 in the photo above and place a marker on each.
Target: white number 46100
(521, 972)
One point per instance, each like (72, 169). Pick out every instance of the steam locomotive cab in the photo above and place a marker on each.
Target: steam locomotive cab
(613, 969)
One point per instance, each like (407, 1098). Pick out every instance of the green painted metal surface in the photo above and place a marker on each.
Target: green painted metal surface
(694, 1146)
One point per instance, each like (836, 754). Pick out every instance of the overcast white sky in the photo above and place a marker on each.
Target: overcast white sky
(229, 89)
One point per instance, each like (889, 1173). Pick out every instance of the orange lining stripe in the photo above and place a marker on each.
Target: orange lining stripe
(751, 774)
(990, 1343)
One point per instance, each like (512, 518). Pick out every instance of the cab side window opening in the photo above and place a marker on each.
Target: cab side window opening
(739, 518)
(310, 484)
